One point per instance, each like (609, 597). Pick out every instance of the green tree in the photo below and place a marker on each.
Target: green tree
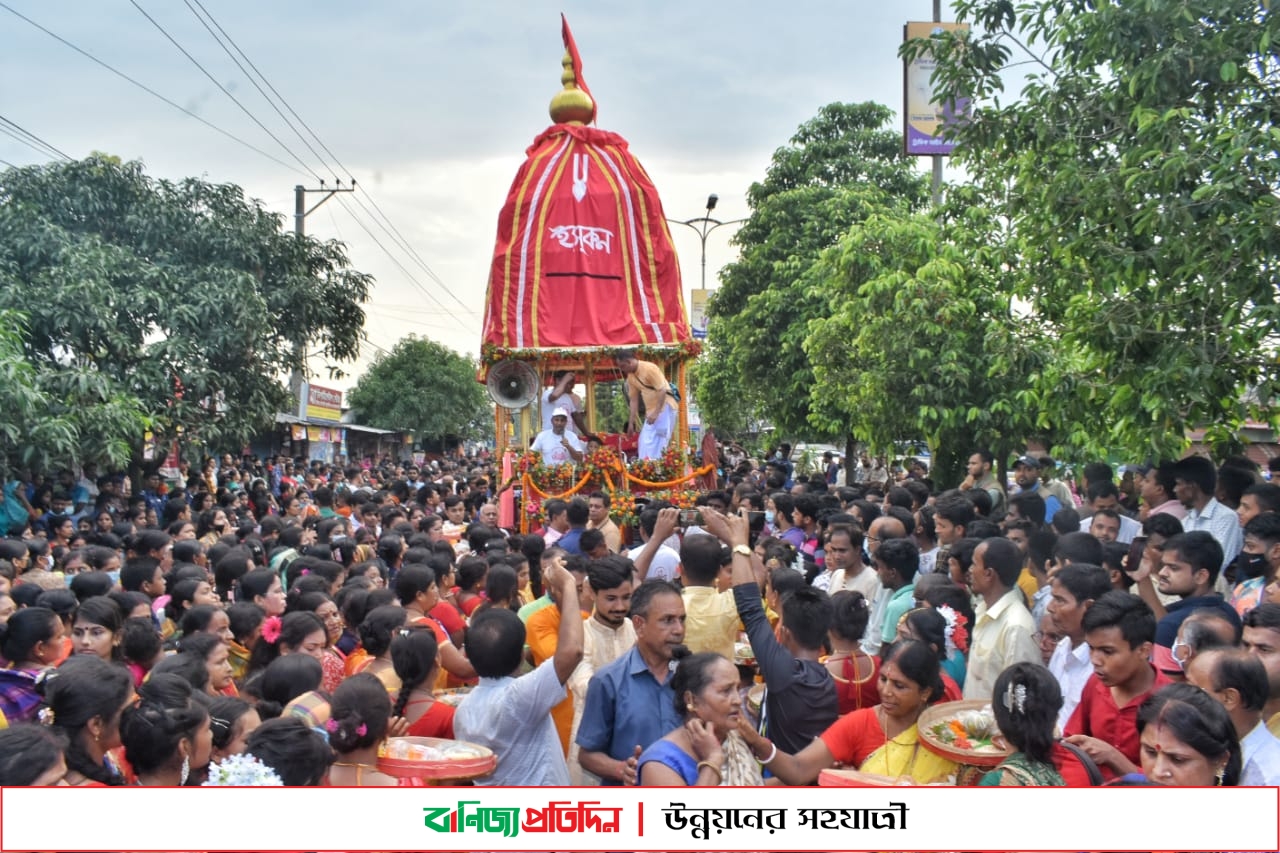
(1138, 174)
(426, 388)
(921, 342)
(840, 167)
(53, 416)
(184, 297)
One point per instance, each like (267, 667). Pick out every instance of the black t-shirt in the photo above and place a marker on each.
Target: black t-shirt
(800, 700)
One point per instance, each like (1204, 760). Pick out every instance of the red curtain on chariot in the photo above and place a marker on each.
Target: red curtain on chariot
(583, 256)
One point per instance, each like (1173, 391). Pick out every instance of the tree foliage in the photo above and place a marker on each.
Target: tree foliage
(921, 342)
(424, 387)
(1138, 174)
(841, 167)
(52, 416)
(184, 299)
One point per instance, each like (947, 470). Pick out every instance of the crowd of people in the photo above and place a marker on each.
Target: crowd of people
(289, 617)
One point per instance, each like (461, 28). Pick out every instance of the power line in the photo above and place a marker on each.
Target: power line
(210, 24)
(389, 227)
(256, 121)
(224, 89)
(87, 55)
(7, 163)
(392, 257)
(14, 126)
(408, 247)
(16, 138)
(280, 97)
(272, 103)
(390, 316)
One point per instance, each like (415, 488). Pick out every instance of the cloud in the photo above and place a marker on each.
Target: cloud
(431, 106)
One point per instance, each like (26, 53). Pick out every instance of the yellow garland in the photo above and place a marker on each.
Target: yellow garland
(577, 487)
(706, 469)
(532, 486)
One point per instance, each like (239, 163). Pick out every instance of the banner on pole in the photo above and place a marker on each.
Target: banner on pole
(923, 117)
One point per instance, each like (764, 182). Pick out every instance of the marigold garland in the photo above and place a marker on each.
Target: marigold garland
(491, 354)
(660, 479)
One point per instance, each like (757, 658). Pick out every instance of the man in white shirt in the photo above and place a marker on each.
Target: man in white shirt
(559, 444)
(1195, 481)
(1238, 680)
(926, 536)
(1105, 496)
(655, 559)
(512, 716)
(1073, 589)
(560, 396)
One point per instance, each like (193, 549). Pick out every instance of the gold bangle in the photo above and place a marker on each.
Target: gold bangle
(712, 768)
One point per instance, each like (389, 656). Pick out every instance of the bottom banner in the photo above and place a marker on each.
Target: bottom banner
(640, 819)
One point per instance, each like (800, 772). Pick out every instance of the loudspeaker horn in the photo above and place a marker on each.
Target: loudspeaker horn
(512, 384)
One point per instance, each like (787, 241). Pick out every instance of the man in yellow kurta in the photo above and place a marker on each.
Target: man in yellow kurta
(646, 382)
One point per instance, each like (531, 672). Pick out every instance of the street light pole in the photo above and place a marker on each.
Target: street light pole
(704, 225)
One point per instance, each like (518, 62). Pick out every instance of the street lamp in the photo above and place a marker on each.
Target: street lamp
(704, 225)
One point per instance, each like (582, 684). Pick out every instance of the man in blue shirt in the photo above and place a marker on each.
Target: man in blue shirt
(630, 703)
(579, 513)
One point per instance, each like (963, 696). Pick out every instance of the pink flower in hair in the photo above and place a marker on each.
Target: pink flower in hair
(271, 629)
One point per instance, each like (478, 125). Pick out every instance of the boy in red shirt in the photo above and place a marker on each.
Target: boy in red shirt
(1120, 629)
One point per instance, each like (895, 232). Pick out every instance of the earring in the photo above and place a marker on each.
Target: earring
(689, 707)
(1222, 773)
(186, 770)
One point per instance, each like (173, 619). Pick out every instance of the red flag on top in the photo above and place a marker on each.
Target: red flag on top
(572, 46)
(583, 257)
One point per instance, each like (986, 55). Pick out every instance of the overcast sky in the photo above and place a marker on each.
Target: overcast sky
(430, 107)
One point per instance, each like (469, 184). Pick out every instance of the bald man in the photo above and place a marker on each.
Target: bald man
(884, 528)
(1238, 680)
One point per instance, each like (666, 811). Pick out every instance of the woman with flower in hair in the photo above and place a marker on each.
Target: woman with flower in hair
(300, 632)
(1026, 702)
(932, 628)
(358, 725)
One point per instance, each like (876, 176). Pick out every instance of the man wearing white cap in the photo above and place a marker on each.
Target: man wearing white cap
(559, 444)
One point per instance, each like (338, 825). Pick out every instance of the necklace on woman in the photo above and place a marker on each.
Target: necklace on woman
(890, 741)
(359, 766)
(882, 718)
(855, 655)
